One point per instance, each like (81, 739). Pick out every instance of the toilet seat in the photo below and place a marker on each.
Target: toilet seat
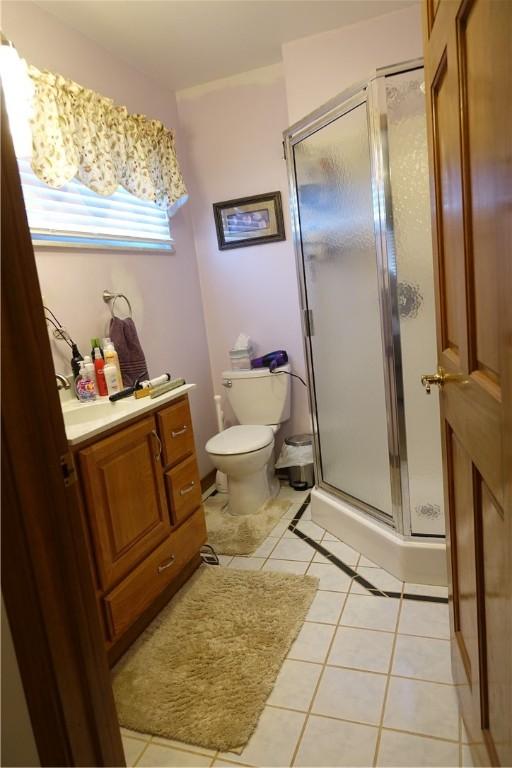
(244, 438)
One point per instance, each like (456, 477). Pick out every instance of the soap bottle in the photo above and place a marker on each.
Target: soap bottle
(111, 378)
(111, 356)
(99, 365)
(84, 385)
(89, 367)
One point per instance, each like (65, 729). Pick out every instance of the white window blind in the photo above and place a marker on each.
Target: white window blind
(75, 215)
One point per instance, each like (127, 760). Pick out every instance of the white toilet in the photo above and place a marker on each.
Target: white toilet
(261, 402)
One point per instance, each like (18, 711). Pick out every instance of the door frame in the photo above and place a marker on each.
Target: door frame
(47, 584)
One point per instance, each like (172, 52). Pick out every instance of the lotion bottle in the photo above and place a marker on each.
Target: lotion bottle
(111, 378)
(112, 357)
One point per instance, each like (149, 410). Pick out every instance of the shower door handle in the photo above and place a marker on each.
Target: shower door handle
(438, 379)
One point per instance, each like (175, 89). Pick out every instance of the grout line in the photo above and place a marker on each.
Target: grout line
(364, 722)
(461, 762)
(386, 689)
(317, 686)
(423, 735)
(143, 751)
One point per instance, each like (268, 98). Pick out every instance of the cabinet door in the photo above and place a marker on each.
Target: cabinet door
(125, 494)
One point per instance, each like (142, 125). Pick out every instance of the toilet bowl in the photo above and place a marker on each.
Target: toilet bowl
(260, 400)
(246, 455)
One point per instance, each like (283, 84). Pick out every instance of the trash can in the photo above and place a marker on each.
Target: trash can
(301, 476)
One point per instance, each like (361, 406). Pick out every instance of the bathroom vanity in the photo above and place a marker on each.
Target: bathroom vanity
(140, 495)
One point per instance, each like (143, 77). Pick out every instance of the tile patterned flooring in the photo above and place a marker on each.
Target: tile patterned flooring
(366, 683)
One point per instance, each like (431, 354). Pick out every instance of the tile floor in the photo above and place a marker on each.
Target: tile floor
(366, 683)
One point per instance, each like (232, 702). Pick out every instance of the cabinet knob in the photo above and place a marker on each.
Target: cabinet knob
(166, 564)
(179, 431)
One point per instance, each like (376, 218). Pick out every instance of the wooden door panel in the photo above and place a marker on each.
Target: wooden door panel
(497, 642)
(468, 67)
(480, 87)
(126, 503)
(475, 416)
(449, 228)
(460, 475)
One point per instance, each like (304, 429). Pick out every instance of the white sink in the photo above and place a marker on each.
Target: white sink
(76, 413)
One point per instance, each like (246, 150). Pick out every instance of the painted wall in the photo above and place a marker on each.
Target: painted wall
(320, 66)
(164, 289)
(18, 746)
(233, 132)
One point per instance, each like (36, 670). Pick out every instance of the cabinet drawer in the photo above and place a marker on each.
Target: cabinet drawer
(136, 593)
(175, 428)
(183, 489)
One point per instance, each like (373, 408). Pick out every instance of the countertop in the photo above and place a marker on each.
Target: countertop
(85, 420)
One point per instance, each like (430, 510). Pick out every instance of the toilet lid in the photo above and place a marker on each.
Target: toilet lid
(240, 439)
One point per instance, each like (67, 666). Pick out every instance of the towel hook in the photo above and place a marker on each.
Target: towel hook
(110, 296)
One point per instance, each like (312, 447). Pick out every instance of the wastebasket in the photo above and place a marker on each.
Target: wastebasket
(301, 476)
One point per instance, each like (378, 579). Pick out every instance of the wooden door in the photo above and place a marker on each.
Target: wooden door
(125, 497)
(468, 68)
(46, 580)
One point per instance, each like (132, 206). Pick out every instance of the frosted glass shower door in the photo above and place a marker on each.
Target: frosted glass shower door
(334, 188)
(408, 166)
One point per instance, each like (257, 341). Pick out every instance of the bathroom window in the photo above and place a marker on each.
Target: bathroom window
(74, 215)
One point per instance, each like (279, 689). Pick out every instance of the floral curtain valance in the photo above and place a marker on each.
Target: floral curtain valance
(79, 133)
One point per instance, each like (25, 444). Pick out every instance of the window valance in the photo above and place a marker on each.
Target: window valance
(79, 133)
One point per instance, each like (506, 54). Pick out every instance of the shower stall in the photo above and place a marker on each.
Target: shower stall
(359, 192)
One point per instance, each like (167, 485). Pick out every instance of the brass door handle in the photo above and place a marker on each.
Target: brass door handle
(438, 379)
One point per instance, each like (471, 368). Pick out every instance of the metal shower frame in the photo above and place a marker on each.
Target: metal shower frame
(370, 92)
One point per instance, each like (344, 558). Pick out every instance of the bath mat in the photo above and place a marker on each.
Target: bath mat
(203, 669)
(240, 534)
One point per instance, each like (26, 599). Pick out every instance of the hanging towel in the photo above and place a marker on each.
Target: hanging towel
(123, 334)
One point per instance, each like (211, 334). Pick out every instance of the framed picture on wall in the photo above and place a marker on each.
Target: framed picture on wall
(249, 221)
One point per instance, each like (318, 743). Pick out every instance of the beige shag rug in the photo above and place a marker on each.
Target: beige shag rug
(240, 534)
(203, 669)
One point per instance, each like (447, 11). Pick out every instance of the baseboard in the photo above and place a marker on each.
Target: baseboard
(208, 480)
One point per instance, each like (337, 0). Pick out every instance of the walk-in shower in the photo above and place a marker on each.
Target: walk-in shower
(358, 171)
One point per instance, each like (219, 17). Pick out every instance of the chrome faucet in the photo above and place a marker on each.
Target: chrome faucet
(62, 382)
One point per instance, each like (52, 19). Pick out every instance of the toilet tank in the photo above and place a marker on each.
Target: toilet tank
(258, 396)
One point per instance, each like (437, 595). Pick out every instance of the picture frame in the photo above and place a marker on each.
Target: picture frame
(249, 221)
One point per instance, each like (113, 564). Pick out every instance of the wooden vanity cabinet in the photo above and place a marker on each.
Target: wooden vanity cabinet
(141, 495)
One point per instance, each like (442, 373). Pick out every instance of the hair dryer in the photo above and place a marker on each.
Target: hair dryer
(272, 360)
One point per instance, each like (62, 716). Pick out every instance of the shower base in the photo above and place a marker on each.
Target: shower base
(420, 561)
